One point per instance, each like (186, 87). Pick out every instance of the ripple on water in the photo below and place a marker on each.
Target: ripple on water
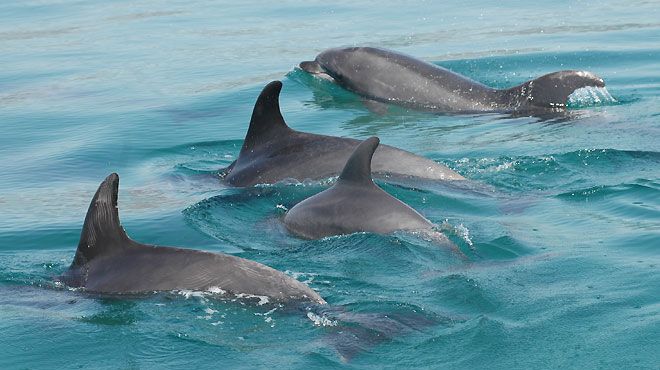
(560, 170)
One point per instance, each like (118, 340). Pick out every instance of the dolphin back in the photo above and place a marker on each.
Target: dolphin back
(551, 90)
(272, 152)
(395, 78)
(353, 204)
(108, 261)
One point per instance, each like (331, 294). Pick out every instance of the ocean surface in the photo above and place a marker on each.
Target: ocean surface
(560, 221)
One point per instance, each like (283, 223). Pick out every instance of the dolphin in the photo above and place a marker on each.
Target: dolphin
(354, 204)
(107, 261)
(387, 76)
(273, 152)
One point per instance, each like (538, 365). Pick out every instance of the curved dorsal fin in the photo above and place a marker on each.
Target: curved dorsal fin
(358, 167)
(102, 233)
(267, 119)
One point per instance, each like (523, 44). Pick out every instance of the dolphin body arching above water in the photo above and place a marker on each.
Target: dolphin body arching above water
(273, 152)
(390, 77)
(107, 261)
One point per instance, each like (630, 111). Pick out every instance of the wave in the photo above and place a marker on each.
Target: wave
(559, 171)
(622, 203)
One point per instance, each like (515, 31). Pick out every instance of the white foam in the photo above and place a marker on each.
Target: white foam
(192, 293)
(216, 290)
(504, 166)
(210, 311)
(309, 277)
(295, 182)
(464, 233)
(590, 96)
(321, 320)
(461, 231)
(266, 313)
(262, 299)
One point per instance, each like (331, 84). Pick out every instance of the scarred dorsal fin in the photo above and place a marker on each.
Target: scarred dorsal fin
(267, 121)
(102, 233)
(358, 167)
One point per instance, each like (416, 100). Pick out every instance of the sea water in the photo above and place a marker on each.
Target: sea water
(560, 219)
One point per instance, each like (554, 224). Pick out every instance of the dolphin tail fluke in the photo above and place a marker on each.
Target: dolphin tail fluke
(102, 232)
(358, 166)
(551, 90)
(267, 121)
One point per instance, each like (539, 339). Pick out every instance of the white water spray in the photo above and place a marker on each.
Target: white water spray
(590, 96)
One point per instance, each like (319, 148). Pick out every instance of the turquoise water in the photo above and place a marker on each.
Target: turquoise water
(561, 223)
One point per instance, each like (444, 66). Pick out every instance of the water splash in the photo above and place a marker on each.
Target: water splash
(590, 96)
(305, 183)
(321, 320)
(304, 277)
(464, 233)
(262, 299)
(460, 231)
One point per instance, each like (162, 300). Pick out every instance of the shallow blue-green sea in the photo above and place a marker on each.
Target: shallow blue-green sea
(560, 221)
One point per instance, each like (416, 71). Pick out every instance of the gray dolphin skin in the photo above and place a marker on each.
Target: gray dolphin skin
(353, 204)
(387, 76)
(108, 261)
(273, 152)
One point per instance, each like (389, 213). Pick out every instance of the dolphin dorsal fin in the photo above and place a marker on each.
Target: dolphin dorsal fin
(267, 120)
(358, 167)
(102, 233)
